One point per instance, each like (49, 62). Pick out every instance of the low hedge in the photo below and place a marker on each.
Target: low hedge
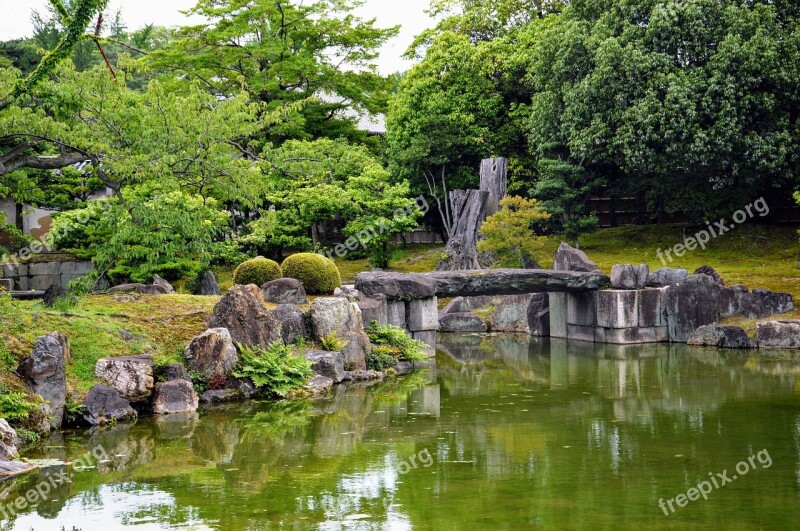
(319, 274)
(257, 271)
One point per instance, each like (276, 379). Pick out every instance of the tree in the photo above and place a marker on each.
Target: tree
(316, 53)
(509, 233)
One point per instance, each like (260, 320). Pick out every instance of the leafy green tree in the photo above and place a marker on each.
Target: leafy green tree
(508, 234)
(283, 52)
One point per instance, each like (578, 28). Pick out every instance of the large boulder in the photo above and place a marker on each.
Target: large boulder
(131, 376)
(779, 334)
(690, 305)
(285, 291)
(335, 315)
(45, 372)
(570, 259)
(457, 305)
(208, 285)
(177, 396)
(330, 364)
(732, 299)
(629, 276)
(292, 322)
(104, 405)
(711, 272)
(666, 276)
(9, 442)
(220, 396)
(53, 294)
(396, 286)
(374, 308)
(539, 315)
(143, 289)
(175, 371)
(166, 286)
(715, 335)
(241, 310)
(212, 353)
(762, 303)
(511, 315)
(462, 322)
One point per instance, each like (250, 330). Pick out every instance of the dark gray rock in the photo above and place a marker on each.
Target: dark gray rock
(285, 291)
(778, 334)
(160, 282)
(711, 272)
(208, 285)
(629, 276)
(131, 376)
(762, 303)
(422, 314)
(243, 386)
(292, 322)
(221, 396)
(511, 314)
(348, 292)
(330, 364)
(104, 405)
(457, 305)
(364, 376)
(570, 259)
(652, 307)
(539, 315)
(462, 322)
(395, 286)
(715, 335)
(45, 372)
(177, 396)
(319, 385)
(404, 367)
(690, 305)
(666, 276)
(176, 371)
(53, 294)
(212, 353)
(241, 310)
(617, 308)
(142, 289)
(732, 300)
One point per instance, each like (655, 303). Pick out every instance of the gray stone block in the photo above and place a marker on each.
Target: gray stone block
(690, 305)
(617, 308)
(558, 314)
(652, 307)
(511, 315)
(42, 282)
(76, 268)
(732, 299)
(581, 333)
(374, 309)
(629, 276)
(429, 338)
(423, 314)
(581, 309)
(45, 268)
(396, 313)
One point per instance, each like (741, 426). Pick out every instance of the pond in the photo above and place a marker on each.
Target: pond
(505, 433)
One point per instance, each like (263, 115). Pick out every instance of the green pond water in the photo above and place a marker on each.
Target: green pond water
(505, 433)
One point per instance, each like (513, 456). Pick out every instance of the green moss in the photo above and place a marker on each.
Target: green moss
(318, 274)
(257, 271)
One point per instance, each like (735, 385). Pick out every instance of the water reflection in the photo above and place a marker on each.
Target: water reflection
(523, 433)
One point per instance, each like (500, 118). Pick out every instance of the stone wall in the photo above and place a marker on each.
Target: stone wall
(40, 276)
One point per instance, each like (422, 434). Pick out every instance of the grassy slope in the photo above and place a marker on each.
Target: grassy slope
(752, 255)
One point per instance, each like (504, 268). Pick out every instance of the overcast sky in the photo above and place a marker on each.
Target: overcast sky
(15, 20)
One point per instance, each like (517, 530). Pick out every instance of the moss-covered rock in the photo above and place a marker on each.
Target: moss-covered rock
(257, 271)
(318, 274)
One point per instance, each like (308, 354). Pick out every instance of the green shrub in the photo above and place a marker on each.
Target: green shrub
(332, 342)
(257, 271)
(15, 406)
(381, 358)
(318, 274)
(274, 371)
(396, 339)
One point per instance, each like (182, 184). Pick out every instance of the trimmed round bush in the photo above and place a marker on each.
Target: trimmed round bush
(318, 274)
(257, 271)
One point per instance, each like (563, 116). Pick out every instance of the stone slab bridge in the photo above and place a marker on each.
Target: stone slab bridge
(411, 300)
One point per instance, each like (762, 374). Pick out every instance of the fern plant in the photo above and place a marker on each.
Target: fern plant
(275, 370)
(15, 406)
(332, 342)
(397, 339)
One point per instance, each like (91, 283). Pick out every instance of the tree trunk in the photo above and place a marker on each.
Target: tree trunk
(494, 179)
(469, 211)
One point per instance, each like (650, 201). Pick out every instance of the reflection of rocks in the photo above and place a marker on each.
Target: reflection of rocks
(176, 426)
(215, 439)
(425, 401)
(126, 445)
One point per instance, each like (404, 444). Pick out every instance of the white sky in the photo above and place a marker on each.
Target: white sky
(15, 18)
